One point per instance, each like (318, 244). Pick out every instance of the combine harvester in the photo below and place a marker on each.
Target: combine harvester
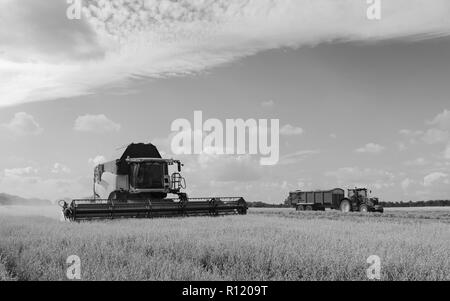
(137, 186)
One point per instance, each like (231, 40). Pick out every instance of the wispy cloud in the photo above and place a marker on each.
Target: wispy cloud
(290, 130)
(97, 160)
(23, 171)
(371, 148)
(59, 168)
(23, 124)
(95, 124)
(363, 177)
(117, 41)
(417, 162)
(268, 104)
(434, 177)
(296, 157)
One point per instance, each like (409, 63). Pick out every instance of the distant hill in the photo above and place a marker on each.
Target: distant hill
(7, 199)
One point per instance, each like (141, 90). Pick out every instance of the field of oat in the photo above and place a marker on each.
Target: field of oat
(267, 244)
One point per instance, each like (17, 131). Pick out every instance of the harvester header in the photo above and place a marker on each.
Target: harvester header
(137, 185)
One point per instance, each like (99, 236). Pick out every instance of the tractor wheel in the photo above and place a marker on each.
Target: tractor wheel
(363, 208)
(309, 208)
(345, 206)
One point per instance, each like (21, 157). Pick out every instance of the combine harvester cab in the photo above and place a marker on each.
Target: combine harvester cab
(137, 186)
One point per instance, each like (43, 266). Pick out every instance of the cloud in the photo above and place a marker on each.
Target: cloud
(433, 136)
(19, 172)
(297, 156)
(364, 177)
(289, 130)
(434, 177)
(442, 120)
(401, 146)
(228, 168)
(212, 166)
(268, 104)
(410, 133)
(59, 168)
(371, 148)
(45, 56)
(23, 124)
(96, 124)
(417, 162)
(97, 160)
(40, 30)
(439, 133)
(440, 129)
(28, 184)
(406, 183)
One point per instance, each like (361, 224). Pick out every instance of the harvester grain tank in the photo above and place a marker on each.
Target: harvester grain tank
(357, 199)
(137, 185)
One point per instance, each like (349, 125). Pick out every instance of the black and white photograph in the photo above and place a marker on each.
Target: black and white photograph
(224, 145)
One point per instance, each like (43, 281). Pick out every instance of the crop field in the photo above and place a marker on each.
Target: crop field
(267, 244)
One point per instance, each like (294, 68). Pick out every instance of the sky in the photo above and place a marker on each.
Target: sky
(360, 102)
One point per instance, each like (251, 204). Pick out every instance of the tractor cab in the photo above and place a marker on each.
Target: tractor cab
(358, 193)
(360, 199)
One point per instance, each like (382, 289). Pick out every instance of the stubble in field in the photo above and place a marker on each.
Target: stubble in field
(265, 245)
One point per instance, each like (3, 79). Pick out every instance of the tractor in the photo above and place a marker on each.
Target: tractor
(357, 200)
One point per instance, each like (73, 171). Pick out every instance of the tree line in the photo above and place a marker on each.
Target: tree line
(430, 203)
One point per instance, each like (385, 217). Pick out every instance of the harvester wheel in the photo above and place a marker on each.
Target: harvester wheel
(117, 196)
(345, 206)
(363, 208)
(243, 207)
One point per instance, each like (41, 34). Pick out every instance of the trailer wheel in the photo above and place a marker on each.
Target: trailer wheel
(363, 208)
(300, 208)
(345, 206)
(309, 208)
